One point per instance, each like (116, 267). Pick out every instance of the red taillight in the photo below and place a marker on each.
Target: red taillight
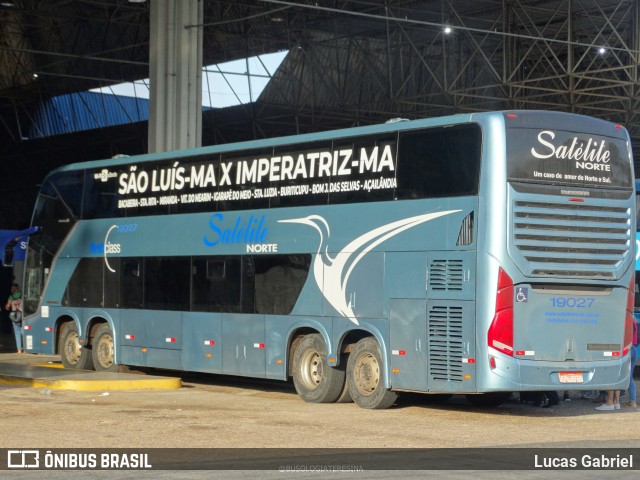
(500, 334)
(628, 321)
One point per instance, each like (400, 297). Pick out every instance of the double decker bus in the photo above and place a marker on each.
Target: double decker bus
(475, 254)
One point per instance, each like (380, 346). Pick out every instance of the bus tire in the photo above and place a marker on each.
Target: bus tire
(313, 379)
(488, 400)
(345, 396)
(103, 349)
(365, 376)
(72, 353)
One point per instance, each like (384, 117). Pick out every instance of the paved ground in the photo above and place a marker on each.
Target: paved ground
(219, 411)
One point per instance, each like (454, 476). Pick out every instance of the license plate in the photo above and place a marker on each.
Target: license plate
(570, 377)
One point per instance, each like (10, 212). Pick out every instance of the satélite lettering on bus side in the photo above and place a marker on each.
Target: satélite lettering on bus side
(249, 231)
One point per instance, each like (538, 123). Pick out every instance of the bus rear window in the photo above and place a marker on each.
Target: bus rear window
(558, 157)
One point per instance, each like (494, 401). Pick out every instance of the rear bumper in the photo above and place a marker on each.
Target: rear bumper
(534, 375)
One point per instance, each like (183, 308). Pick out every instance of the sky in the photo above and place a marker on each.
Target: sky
(223, 85)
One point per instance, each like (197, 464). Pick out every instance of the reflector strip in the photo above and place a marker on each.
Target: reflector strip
(502, 346)
(170, 340)
(258, 345)
(611, 354)
(27, 327)
(48, 329)
(130, 337)
(525, 353)
(209, 342)
(398, 352)
(468, 360)
(492, 361)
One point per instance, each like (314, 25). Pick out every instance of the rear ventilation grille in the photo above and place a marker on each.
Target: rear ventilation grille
(571, 240)
(445, 343)
(446, 275)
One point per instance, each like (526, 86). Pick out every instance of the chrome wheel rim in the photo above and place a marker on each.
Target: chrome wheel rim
(311, 369)
(367, 374)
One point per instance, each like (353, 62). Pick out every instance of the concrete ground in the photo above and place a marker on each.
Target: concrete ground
(220, 411)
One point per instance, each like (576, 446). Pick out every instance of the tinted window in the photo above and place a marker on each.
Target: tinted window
(294, 191)
(101, 197)
(558, 157)
(216, 284)
(57, 209)
(131, 283)
(112, 283)
(439, 162)
(166, 283)
(412, 164)
(267, 284)
(278, 282)
(372, 161)
(85, 286)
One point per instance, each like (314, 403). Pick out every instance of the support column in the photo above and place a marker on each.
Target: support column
(175, 73)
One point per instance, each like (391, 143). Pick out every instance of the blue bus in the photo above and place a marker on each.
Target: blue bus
(474, 254)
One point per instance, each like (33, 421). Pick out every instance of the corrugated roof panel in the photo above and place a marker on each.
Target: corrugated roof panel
(86, 111)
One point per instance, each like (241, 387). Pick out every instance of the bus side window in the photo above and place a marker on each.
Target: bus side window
(85, 286)
(278, 282)
(166, 283)
(131, 292)
(439, 162)
(216, 284)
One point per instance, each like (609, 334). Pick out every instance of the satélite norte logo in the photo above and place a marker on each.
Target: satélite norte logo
(250, 231)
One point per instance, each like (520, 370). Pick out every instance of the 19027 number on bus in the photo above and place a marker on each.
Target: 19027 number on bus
(573, 302)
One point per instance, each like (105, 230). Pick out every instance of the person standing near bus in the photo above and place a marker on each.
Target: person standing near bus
(14, 305)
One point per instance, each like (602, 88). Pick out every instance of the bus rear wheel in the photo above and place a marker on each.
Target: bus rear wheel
(313, 379)
(72, 353)
(103, 350)
(365, 376)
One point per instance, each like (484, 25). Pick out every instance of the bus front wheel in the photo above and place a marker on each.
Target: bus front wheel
(365, 376)
(313, 379)
(103, 348)
(72, 353)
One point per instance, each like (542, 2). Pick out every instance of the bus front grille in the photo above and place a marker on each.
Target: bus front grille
(576, 240)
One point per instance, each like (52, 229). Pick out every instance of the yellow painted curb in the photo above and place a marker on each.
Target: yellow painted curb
(167, 383)
(49, 365)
